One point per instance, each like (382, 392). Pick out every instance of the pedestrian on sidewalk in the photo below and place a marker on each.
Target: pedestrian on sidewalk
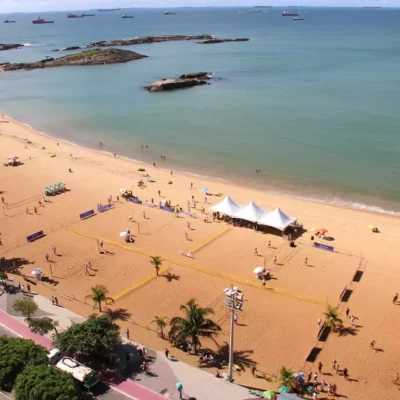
(167, 354)
(56, 301)
(52, 300)
(28, 288)
(127, 333)
(22, 288)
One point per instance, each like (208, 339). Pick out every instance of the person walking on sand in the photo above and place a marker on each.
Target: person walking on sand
(166, 354)
(275, 260)
(346, 374)
(269, 243)
(337, 368)
(46, 256)
(309, 376)
(159, 193)
(372, 345)
(127, 333)
(352, 320)
(306, 261)
(395, 297)
(256, 252)
(56, 301)
(54, 250)
(101, 244)
(87, 270)
(347, 311)
(320, 367)
(191, 185)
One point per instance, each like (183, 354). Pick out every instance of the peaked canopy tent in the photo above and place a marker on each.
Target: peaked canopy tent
(277, 219)
(227, 206)
(252, 212)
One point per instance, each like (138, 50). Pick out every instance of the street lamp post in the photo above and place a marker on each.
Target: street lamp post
(233, 301)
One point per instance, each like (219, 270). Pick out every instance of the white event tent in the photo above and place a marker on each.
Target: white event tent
(277, 219)
(252, 212)
(227, 206)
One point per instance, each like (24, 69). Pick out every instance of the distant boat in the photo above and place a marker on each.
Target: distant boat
(298, 19)
(290, 14)
(39, 20)
(169, 13)
(75, 16)
(88, 15)
(127, 16)
(7, 21)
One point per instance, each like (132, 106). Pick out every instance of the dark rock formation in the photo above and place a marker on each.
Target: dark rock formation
(184, 81)
(213, 41)
(140, 40)
(4, 47)
(89, 57)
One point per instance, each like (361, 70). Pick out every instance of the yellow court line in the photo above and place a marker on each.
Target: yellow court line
(140, 284)
(209, 240)
(199, 268)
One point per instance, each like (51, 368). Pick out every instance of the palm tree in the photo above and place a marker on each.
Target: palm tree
(161, 323)
(285, 377)
(195, 325)
(332, 319)
(157, 262)
(98, 295)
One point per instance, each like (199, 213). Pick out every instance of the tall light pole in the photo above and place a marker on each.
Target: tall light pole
(233, 301)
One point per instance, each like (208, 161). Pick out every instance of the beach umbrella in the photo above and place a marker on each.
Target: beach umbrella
(258, 270)
(284, 389)
(124, 234)
(269, 394)
(205, 189)
(36, 271)
(300, 376)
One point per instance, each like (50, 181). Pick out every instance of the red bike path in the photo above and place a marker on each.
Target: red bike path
(127, 387)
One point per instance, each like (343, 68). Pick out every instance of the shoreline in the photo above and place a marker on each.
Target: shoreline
(337, 202)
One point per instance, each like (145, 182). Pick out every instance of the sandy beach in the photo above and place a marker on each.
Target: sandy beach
(278, 325)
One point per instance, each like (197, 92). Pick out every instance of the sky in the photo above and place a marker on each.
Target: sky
(7, 6)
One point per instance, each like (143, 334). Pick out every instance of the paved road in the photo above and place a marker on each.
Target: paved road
(101, 391)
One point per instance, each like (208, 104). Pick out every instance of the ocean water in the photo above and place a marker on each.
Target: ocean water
(314, 104)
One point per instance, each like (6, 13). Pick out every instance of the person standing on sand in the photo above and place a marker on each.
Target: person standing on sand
(395, 297)
(188, 225)
(269, 243)
(346, 374)
(309, 376)
(127, 333)
(166, 354)
(337, 368)
(191, 186)
(54, 250)
(372, 345)
(347, 311)
(274, 259)
(56, 301)
(46, 256)
(52, 300)
(256, 252)
(253, 370)
(159, 193)
(306, 261)
(87, 270)
(101, 244)
(320, 367)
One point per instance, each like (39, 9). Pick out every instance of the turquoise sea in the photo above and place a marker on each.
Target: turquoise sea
(314, 104)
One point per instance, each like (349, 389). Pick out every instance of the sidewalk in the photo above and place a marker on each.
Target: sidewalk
(164, 374)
